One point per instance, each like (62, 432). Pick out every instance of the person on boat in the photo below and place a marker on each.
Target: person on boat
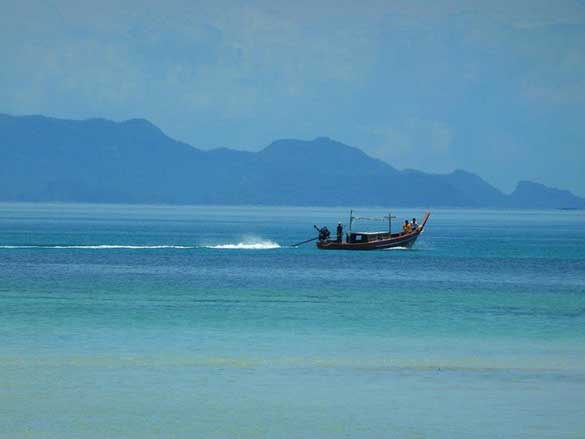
(324, 234)
(339, 232)
(406, 228)
(414, 225)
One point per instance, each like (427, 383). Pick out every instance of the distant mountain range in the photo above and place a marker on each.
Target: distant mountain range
(100, 161)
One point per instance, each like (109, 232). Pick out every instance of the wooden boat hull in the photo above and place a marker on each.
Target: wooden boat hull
(405, 240)
(402, 241)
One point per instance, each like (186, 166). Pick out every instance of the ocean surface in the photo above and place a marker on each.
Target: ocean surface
(203, 322)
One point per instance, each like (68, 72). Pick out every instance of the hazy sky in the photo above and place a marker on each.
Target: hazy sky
(494, 87)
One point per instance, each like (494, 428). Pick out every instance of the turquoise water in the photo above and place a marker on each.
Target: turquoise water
(202, 322)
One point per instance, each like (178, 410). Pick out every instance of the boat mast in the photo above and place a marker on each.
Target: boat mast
(350, 219)
(390, 222)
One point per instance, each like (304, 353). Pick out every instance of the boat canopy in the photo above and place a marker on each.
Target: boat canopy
(388, 218)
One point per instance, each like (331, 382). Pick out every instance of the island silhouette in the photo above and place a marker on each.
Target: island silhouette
(46, 159)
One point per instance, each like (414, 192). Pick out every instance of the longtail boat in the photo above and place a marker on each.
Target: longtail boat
(371, 240)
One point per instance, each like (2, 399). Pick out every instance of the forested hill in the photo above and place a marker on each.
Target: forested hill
(97, 160)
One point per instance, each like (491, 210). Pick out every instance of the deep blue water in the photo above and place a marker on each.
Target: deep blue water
(203, 322)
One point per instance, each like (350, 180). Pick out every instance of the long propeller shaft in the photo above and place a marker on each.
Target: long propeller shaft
(304, 242)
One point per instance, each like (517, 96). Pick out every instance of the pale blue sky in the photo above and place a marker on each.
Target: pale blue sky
(493, 87)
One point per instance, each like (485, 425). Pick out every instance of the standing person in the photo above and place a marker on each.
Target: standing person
(406, 227)
(339, 232)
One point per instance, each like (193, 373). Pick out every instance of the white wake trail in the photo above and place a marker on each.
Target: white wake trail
(98, 247)
(261, 245)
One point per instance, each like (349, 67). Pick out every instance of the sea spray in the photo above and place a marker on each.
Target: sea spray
(262, 245)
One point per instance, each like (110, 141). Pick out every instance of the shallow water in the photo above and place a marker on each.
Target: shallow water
(188, 322)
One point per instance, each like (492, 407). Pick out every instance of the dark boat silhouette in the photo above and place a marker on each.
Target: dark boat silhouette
(373, 240)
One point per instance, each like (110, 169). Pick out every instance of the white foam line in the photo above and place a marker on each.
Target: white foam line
(263, 245)
(97, 247)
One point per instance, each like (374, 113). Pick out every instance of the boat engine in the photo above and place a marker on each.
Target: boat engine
(324, 233)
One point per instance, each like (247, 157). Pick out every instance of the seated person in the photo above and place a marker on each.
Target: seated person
(414, 225)
(406, 228)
